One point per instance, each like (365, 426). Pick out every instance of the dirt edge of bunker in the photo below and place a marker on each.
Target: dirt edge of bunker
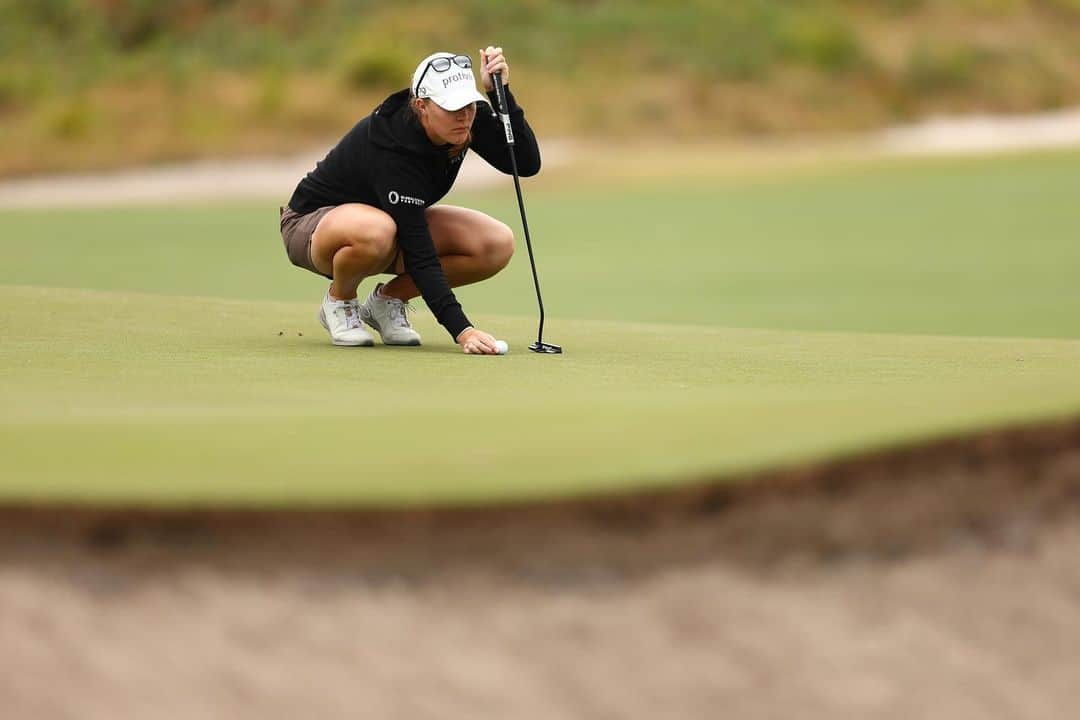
(996, 489)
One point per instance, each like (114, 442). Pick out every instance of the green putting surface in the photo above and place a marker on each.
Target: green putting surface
(171, 356)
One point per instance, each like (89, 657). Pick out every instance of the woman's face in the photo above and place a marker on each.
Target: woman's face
(448, 127)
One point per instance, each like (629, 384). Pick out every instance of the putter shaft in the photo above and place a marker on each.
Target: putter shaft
(500, 93)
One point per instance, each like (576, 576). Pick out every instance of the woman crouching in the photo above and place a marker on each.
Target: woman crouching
(369, 207)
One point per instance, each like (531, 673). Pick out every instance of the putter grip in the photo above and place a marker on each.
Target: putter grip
(504, 113)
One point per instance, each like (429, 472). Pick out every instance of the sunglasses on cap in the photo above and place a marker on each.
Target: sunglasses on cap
(442, 64)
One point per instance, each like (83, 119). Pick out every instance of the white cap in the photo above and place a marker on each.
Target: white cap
(450, 89)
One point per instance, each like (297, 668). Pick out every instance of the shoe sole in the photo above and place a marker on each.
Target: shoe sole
(372, 324)
(335, 341)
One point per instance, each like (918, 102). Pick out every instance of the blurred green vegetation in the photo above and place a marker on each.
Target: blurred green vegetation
(89, 83)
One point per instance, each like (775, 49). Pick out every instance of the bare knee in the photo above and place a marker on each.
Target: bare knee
(374, 238)
(498, 245)
(367, 236)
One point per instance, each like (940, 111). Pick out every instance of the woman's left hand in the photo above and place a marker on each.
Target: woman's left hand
(492, 61)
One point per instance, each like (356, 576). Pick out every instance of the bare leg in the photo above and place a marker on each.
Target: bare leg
(351, 243)
(471, 247)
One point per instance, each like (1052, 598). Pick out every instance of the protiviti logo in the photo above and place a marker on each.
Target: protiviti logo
(395, 197)
(463, 75)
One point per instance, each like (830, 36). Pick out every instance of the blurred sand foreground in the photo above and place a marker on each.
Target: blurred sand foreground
(939, 582)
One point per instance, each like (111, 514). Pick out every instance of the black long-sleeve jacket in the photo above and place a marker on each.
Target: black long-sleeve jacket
(386, 160)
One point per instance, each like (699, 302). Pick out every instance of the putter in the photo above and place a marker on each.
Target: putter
(539, 346)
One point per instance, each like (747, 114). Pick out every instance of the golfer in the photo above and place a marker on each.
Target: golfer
(369, 207)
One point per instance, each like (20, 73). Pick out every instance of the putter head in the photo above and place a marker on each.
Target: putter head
(545, 348)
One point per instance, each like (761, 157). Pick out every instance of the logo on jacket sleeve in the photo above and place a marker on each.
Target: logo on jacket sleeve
(395, 197)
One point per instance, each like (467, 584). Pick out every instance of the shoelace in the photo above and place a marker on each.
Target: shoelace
(399, 312)
(351, 314)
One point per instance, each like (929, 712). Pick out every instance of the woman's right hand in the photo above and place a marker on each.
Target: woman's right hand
(477, 342)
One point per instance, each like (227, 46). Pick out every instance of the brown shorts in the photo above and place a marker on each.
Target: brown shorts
(296, 232)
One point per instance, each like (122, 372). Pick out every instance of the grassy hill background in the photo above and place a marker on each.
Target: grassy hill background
(102, 83)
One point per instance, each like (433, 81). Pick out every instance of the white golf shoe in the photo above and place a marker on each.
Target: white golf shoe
(390, 317)
(341, 318)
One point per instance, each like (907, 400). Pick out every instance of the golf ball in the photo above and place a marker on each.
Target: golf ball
(503, 347)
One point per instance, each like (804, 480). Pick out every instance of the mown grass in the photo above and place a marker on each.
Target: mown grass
(149, 399)
(171, 355)
(972, 246)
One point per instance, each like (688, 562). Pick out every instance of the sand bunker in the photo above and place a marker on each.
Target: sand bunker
(933, 582)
